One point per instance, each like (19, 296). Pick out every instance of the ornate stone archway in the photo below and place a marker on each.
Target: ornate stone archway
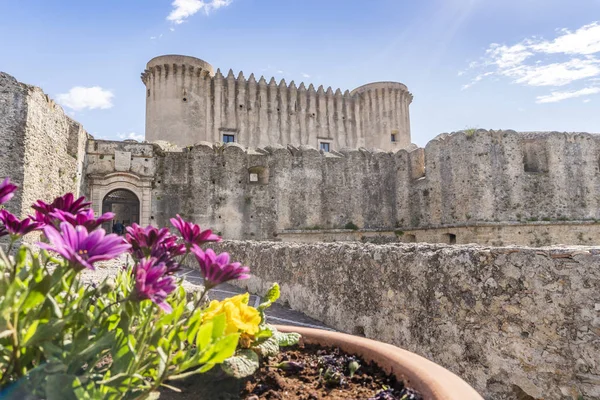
(101, 185)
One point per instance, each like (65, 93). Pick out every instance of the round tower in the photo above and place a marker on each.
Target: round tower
(384, 114)
(176, 96)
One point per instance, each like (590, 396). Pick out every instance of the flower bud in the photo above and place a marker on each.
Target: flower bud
(291, 366)
(352, 367)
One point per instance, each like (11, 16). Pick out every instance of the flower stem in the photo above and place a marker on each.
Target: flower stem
(201, 299)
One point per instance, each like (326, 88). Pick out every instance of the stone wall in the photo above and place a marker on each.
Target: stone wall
(526, 233)
(186, 102)
(511, 321)
(489, 187)
(505, 176)
(43, 150)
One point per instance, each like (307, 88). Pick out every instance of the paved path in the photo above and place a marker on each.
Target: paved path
(276, 314)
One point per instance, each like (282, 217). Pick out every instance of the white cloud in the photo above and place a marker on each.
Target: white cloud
(172, 29)
(132, 135)
(587, 100)
(567, 58)
(81, 98)
(557, 74)
(559, 96)
(585, 40)
(305, 75)
(183, 9)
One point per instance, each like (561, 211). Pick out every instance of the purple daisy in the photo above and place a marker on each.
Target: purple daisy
(81, 248)
(152, 282)
(217, 269)
(142, 240)
(65, 203)
(192, 233)
(7, 190)
(83, 217)
(16, 227)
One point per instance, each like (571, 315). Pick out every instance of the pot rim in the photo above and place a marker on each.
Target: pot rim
(431, 380)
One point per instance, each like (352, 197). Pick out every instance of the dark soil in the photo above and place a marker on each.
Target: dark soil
(298, 373)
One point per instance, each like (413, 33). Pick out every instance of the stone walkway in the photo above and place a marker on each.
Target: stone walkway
(276, 314)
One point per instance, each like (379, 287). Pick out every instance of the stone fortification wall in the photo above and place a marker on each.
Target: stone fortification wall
(187, 103)
(489, 187)
(506, 176)
(43, 150)
(510, 321)
(258, 193)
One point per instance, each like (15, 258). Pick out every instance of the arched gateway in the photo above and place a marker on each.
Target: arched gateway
(123, 193)
(124, 204)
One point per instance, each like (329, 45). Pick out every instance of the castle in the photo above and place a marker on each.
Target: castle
(514, 322)
(187, 102)
(274, 162)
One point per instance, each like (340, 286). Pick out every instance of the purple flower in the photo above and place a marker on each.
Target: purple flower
(192, 233)
(65, 203)
(217, 269)
(7, 191)
(142, 240)
(15, 227)
(83, 217)
(152, 282)
(154, 242)
(81, 248)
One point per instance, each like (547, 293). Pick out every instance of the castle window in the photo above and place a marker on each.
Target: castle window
(535, 158)
(450, 238)
(148, 92)
(324, 146)
(393, 137)
(258, 175)
(228, 138)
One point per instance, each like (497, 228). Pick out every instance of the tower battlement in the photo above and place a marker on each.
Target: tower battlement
(187, 103)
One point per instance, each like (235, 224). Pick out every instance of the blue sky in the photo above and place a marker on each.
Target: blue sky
(511, 64)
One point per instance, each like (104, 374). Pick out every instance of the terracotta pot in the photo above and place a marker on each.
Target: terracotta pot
(431, 380)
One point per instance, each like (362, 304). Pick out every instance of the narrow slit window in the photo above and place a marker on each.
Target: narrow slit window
(393, 137)
(228, 138)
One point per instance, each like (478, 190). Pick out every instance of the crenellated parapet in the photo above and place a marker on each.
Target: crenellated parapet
(187, 102)
(171, 65)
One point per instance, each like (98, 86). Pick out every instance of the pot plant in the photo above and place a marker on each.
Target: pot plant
(428, 379)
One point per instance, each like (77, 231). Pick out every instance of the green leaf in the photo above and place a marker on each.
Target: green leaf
(21, 258)
(60, 387)
(31, 330)
(162, 364)
(268, 348)
(204, 335)
(45, 332)
(287, 339)
(36, 295)
(264, 332)
(193, 325)
(219, 324)
(222, 349)
(243, 364)
(57, 311)
(273, 293)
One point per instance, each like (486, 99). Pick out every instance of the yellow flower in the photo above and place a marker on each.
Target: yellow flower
(239, 315)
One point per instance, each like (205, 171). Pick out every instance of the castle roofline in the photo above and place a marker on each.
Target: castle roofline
(180, 59)
(379, 85)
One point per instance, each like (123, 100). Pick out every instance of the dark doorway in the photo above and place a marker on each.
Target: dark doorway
(124, 204)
